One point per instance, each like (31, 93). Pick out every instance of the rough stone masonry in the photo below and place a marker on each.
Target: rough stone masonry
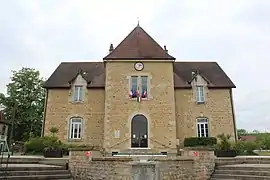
(192, 165)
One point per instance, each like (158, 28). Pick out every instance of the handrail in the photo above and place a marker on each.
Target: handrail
(119, 142)
(159, 143)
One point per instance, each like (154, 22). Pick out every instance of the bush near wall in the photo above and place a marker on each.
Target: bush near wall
(200, 141)
(36, 145)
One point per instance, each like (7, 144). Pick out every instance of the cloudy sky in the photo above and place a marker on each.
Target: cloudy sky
(235, 33)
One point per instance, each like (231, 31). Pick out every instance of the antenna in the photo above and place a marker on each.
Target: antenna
(138, 19)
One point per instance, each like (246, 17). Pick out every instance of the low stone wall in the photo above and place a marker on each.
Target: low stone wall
(194, 165)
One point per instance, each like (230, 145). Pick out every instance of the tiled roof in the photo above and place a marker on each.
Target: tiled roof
(95, 74)
(138, 45)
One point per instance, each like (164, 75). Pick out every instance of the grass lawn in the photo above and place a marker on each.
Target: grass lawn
(263, 153)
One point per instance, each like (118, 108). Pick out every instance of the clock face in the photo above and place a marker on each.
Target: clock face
(139, 66)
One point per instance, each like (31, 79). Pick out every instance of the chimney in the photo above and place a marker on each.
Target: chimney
(111, 48)
(165, 48)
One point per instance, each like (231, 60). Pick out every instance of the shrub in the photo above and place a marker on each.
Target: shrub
(224, 143)
(199, 141)
(245, 148)
(37, 145)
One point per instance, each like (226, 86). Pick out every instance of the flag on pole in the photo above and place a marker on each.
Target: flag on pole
(130, 94)
(138, 96)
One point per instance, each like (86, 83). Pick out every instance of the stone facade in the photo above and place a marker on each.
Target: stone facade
(187, 167)
(159, 108)
(171, 110)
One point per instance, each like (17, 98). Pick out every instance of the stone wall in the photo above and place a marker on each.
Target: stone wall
(60, 109)
(217, 109)
(193, 165)
(159, 108)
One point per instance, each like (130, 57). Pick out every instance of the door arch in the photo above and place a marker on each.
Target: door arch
(139, 131)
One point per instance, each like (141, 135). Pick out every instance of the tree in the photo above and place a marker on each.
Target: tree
(24, 103)
(241, 132)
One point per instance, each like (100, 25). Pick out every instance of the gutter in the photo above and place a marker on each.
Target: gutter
(45, 110)
(233, 114)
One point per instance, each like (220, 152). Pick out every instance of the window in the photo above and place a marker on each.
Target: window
(202, 127)
(139, 86)
(75, 128)
(200, 94)
(78, 93)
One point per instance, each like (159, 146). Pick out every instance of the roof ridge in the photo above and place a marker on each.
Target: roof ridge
(138, 45)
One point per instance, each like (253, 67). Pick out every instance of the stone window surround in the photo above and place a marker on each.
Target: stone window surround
(148, 84)
(69, 120)
(199, 81)
(207, 122)
(79, 81)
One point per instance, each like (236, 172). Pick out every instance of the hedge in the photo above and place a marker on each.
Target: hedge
(200, 141)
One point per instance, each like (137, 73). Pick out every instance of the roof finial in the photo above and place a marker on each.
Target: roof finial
(138, 21)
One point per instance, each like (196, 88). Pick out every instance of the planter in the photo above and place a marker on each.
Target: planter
(53, 153)
(225, 153)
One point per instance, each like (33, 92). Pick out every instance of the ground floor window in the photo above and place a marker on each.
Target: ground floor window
(75, 128)
(202, 127)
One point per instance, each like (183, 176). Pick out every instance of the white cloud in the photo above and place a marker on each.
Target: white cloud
(41, 34)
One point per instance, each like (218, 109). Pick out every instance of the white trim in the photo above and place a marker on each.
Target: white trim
(198, 130)
(79, 124)
(79, 96)
(200, 94)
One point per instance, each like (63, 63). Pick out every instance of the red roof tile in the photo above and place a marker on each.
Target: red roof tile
(138, 45)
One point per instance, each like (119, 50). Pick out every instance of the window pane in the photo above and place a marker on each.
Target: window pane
(199, 134)
(134, 85)
(206, 130)
(77, 96)
(144, 86)
(200, 94)
(202, 120)
(76, 120)
(202, 130)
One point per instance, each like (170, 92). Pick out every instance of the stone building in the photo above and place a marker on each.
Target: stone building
(138, 97)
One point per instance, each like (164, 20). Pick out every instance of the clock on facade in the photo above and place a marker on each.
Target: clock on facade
(138, 66)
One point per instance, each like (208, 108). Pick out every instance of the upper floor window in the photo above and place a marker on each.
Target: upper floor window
(139, 86)
(78, 93)
(200, 94)
(75, 128)
(202, 127)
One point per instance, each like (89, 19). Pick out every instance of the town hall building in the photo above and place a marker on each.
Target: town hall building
(139, 97)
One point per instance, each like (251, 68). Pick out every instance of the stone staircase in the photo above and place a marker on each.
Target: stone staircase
(34, 171)
(242, 172)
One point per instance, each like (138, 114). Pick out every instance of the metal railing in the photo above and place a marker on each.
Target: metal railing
(4, 149)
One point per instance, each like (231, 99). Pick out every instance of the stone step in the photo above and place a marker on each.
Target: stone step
(239, 177)
(28, 173)
(30, 167)
(244, 172)
(245, 167)
(39, 177)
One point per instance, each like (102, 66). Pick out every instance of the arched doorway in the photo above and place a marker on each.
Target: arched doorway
(139, 131)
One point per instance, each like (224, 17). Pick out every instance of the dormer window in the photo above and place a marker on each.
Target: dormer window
(78, 93)
(200, 94)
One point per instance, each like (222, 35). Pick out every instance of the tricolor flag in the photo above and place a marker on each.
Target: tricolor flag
(130, 94)
(144, 94)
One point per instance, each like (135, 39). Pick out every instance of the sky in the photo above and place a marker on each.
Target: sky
(235, 33)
